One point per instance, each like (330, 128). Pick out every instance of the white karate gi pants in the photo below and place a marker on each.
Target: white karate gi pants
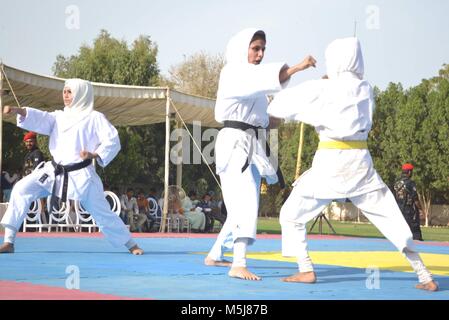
(241, 191)
(29, 189)
(378, 206)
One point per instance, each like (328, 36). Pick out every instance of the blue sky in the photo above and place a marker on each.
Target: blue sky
(403, 41)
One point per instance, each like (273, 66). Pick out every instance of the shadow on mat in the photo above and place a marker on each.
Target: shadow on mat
(325, 275)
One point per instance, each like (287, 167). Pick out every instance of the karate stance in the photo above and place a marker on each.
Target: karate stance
(77, 135)
(241, 159)
(340, 108)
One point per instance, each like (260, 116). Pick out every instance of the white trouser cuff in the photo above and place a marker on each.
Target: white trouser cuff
(424, 275)
(240, 246)
(10, 235)
(131, 243)
(305, 264)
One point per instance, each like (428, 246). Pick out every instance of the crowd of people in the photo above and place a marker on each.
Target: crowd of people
(143, 211)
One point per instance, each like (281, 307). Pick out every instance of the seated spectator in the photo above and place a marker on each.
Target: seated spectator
(221, 211)
(213, 211)
(142, 203)
(175, 210)
(195, 215)
(144, 208)
(130, 211)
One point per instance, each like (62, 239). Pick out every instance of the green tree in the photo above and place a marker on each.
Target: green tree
(383, 138)
(13, 149)
(128, 163)
(433, 174)
(413, 126)
(198, 74)
(111, 61)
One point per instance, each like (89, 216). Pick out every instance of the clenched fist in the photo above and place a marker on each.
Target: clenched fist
(308, 62)
(14, 111)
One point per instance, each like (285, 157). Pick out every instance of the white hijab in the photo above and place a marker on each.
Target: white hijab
(344, 55)
(237, 48)
(310, 101)
(82, 104)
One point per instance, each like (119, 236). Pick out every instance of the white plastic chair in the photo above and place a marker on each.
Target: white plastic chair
(59, 217)
(83, 218)
(154, 208)
(33, 219)
(187, 225)
(116, 205)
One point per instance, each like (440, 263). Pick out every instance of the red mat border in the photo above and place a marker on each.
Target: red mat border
(13, 290)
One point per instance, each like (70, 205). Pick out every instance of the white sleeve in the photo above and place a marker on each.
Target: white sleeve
(38, 121)
(299, 103)
(110, 141)
(245, 80)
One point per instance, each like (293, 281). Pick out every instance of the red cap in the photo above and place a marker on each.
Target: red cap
(407, 167)
(29, 135)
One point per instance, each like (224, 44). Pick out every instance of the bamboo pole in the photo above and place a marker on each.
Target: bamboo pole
(300, 147)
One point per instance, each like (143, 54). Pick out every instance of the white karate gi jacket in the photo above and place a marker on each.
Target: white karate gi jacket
(94, 133)
(340, 108)
(242, 96)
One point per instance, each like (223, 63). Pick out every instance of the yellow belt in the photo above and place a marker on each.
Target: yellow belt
(344, 145)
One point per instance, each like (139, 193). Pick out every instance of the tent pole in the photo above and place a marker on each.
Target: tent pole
(180, 155)
(1, 119)
(167, 157)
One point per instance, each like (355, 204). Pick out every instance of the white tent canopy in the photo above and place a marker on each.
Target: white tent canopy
(122, 105)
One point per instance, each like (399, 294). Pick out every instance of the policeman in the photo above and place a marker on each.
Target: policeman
(407, 199)
(34, 155)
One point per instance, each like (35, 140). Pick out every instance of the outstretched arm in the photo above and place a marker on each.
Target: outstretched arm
(287, 71)
(32, 119)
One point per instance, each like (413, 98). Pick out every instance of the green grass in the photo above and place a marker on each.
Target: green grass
(353, 229)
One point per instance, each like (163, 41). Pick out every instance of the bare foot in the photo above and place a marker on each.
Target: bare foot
(304, 277)
(217, 263)
(7, 248)
(136, 250)
(429, 286)
(242, 273)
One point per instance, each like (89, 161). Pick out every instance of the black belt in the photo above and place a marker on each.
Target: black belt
(245, 127)
(60, 169)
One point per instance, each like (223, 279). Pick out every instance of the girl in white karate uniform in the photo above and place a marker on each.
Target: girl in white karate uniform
(340, 108)
(77, 134)
(240, 157)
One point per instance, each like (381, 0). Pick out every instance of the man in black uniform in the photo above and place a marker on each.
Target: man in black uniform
(407, 199)
(34, 155)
